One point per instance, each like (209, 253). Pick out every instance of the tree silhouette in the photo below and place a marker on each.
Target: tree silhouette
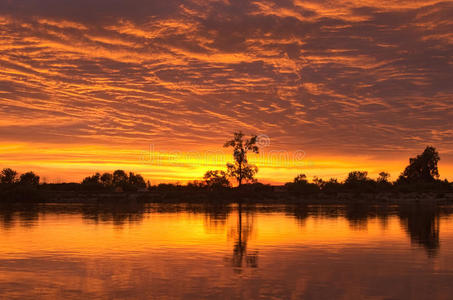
(8, 176)
(120, 178)
(383, 177)
(92, 180)
(301, 178)
(331, 186)
(136, 180)
(29, 178)
(216, 179)
(422, 168)
(107, 179)
(357, 177)
(300, 185)
(241, 170)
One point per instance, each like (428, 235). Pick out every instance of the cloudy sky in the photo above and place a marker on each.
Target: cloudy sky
(156, 87)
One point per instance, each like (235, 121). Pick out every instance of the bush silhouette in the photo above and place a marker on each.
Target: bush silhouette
(8, 176)
(216, 179)
(422, 168)
(29, 178)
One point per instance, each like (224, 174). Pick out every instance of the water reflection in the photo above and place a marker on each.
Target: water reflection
(242, 234)
(119, 215)
(226, 252)
(422, 224)
(216, 216)
(26, 216)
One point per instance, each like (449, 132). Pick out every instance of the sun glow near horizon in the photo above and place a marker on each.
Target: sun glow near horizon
(72, 163)
(86, 87)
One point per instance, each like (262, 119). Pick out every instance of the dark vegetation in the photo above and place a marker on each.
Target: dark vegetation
(420, 176)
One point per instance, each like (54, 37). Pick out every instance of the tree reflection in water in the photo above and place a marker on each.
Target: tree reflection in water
(118, 214)
(27, 215)
(242, 235)
(420, 221)
(422, 224)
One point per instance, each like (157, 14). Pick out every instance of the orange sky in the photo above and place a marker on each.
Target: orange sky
(354, 85)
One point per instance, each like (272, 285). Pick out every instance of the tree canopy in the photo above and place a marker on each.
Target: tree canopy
(241, 170)
(8, 176)
(216, 179)
(119, 178)
(29, 178)
(422, 168)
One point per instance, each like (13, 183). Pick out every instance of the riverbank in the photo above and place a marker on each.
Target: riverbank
(233, 196)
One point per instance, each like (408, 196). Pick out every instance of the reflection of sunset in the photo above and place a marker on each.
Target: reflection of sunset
(194, 252)
(192, 232)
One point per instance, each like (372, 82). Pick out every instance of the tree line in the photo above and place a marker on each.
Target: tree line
(118, 179)
(422, 171)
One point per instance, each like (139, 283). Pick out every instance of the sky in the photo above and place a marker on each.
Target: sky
(157, 87)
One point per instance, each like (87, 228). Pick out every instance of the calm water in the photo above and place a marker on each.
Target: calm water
(195, 252)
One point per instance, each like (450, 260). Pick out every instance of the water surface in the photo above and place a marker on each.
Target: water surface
(198, 252)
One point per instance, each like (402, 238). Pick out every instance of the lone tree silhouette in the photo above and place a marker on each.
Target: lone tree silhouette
(422, 168)
(241, 170)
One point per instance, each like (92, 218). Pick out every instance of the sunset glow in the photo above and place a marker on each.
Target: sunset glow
(157, 87)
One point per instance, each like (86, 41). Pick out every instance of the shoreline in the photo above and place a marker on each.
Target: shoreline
(232, 197)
